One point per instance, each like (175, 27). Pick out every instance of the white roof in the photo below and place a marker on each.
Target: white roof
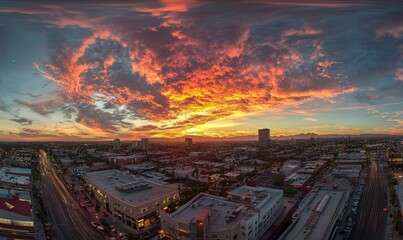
(109, 180)
(315, 216)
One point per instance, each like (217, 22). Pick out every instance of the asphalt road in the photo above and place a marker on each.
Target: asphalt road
(69, 220)
(371, 221)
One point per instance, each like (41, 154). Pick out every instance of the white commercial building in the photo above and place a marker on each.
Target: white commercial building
(15, 175)
(134, 200)
(247, 213)
(290, 166)
(317, 216)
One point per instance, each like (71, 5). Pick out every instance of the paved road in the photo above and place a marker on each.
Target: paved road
(371, 220)
(69, 220)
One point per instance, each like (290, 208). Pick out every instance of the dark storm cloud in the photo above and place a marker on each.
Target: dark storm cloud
(118, 75)
(144, 128)
(92, 117)
(34, 133)
(367, 98)
(3, 106)
(161, 60)
(23, 121)
(40, 108)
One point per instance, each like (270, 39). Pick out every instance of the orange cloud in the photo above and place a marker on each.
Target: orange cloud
(187, 79)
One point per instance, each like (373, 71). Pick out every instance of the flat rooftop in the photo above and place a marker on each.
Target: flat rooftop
(111, 180)
(15, 175)
(140, 166)
(341, 161)
(257, 194)
(313, 222)
(218, 208)
(16, 170)
(24, 195)
(133, 156)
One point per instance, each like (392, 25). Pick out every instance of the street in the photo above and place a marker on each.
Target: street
(371, 219)
(69, 220)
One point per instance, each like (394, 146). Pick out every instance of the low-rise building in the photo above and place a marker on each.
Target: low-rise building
(317, 216)
(297, 180)
(290, 166)
(350, 161)
(145, 166)
(78, 170)
(134, 200)
(15, 177)
(16, 215)
(247, 213)
(351, 172)
(129, 159)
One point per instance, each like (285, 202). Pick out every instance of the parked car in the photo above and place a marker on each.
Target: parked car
(94, 224)
(101, 228)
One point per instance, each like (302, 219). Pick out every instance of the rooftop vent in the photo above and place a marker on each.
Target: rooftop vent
(323, 203)
(131, 187)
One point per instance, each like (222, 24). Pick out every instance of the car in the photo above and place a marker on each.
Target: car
(385, 209)
(101, 228)
(94, 224)
(110, 238)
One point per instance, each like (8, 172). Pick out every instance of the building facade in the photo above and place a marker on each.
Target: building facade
(188, 142)
(15, 216)
(116, 145)
(317, 216)
(135, 201)
(247, 213)
(264, 138)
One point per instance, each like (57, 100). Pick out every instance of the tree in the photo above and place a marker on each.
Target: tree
(97, 207)
(279, 179)
(130, 236)
(290, 191)
(104, 222)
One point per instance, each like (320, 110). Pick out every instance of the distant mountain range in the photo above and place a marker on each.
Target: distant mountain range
(255, 137)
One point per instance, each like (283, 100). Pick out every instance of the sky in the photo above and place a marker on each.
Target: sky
(98, 70)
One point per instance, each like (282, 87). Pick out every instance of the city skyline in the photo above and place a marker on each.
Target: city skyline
(177, 68)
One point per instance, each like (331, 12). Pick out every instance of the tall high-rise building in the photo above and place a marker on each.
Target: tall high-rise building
(116, 145)
(188, 142)
(145, 145)
(264, 138)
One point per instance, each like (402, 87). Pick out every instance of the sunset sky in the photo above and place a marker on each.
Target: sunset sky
(170, 68)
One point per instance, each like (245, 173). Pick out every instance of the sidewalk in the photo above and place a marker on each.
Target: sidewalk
(340, 234)
(39, 229)
(390, 232)
(110, 219)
